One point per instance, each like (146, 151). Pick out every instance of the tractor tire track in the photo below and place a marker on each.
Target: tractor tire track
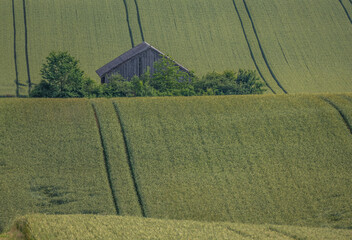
(285, 233)
(344, 8)
(26, 46)
(139, 20)
(128, 23)
(14, 48)
(250, 49)
(261, 48)
(129, 160)
(106, 160)
(331, 103)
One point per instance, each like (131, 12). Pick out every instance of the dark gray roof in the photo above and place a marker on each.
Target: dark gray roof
(128, 55)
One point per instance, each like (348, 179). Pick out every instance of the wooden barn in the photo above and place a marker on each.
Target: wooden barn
(133, 62)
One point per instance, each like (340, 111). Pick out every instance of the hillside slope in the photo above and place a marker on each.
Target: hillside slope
(295, 46)
(254, 159)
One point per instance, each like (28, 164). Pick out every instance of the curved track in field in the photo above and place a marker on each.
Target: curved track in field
(132, 171)
(26, 46)
(250, 49)
(344, 8)
(139, 20)
(128, 23)
(261, 49)
(106, 160)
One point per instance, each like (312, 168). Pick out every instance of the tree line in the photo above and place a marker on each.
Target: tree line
(63, 78)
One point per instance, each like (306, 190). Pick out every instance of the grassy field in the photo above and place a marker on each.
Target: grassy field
(282, 40)
(116, 227)
(260, 159)
(273, 159)
(51, 159)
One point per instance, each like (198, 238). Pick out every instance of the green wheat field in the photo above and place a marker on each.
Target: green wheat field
(272, 166)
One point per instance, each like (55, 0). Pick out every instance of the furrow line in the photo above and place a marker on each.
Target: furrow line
(129, 160)
(241, 233)
(285, 233)
(14, 48)
(331, 103)
(261, 48)
(106, 160)
(250, 49)
(344, 8)
(139, 20)
(128, 23)
(26, 46)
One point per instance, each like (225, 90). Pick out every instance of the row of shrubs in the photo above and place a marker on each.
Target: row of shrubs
(62, 77)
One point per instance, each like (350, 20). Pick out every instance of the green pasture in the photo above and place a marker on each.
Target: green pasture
(258, 159)
(51, 159)
(116, 227)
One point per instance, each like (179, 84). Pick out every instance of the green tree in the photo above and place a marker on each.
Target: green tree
(62, 77)
(168, 79)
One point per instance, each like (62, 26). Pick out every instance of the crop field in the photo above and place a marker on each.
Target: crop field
(51, 159)
(272, 159)
(243, 159)
(295, 46)
(7, 67)
(116, 227)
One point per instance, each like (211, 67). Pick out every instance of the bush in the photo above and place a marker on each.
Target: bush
(62, 77)
(229, 83)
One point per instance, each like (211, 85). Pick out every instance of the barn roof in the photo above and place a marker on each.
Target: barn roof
(128, 55)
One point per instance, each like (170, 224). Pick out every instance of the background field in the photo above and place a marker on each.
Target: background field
(272, 159)
(115, 227)
(296, 46)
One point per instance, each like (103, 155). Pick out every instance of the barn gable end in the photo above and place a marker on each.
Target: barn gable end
(133, 62)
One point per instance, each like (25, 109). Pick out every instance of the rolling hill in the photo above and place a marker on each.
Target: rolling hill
(273, 159)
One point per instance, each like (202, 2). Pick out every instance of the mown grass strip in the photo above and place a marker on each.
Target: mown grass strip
(106, 160)
(139, 20)
(136, 187)
(348, 125)
(14, 48)
(128, 23)
(26, 46)
(261, 49)
(250, 49)
(344, 8)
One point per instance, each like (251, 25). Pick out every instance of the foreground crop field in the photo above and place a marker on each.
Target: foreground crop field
(115, 227)
(295, 46)
(274, 159)
(51, 159)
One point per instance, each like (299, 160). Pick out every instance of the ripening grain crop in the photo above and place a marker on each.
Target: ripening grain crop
(116, 227)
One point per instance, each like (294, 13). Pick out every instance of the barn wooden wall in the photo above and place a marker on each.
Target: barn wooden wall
(136, 65)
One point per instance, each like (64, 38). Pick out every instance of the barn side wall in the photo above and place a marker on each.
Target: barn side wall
(136, 65)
